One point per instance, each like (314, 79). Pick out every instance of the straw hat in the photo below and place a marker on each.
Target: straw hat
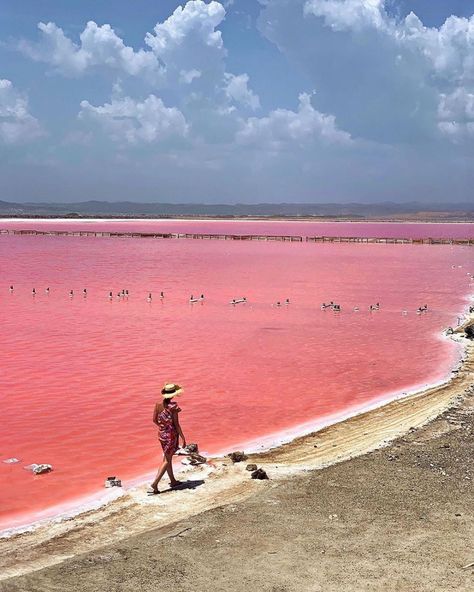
(171, 390)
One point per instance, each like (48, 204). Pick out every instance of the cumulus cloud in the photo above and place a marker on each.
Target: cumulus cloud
(189, 41)
(237, 90)
(185, 49)
(134, 121)
(283, 126)
(99, 46)
(394, 104)
(187, 76)
(449, 49)
(456, 114)
(383, 77)
(349, 14)
(186, 46)
(17, 125)
(186, 56)
(196, 20)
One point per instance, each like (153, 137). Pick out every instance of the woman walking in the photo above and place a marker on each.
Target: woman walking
(165, 416)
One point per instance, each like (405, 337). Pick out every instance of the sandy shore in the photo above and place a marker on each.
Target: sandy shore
(299, 497)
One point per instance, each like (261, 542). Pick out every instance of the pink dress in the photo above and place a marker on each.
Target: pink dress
(168, 434)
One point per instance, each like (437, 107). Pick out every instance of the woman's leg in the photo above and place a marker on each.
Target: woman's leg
(169, 470)
(161, 471)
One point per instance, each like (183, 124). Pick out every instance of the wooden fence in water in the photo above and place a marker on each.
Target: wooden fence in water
(245, 237)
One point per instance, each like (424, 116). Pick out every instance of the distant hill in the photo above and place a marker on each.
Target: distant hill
(125, 209)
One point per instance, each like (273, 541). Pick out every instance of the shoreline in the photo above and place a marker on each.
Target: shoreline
(91, 502)
(349, 220)
(53, 542)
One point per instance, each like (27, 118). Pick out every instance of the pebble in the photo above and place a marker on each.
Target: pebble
(259, 474)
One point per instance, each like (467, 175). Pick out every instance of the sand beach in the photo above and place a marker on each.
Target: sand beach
(380, 501)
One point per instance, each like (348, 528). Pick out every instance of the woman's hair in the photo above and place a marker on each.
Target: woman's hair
(166, 402)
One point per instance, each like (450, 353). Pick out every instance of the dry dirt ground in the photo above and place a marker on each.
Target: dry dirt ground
(398, 519)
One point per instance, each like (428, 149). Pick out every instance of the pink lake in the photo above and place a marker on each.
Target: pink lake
(79, 376)
(272, 227)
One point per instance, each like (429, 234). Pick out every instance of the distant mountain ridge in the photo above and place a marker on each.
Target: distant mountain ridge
(95, 208)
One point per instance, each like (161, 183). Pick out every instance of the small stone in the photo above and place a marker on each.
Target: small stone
(191, 448)
(259, 474)
(457, 514)
(196, 459)
(251, 467)
(237, 456)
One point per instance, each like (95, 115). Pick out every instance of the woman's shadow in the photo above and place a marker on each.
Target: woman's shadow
(190, 484)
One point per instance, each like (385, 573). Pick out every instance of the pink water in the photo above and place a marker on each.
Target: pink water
(272, 227)
(79, 376)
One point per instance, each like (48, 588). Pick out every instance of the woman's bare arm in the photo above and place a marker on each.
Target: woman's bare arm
(156, 412)
(178, 427)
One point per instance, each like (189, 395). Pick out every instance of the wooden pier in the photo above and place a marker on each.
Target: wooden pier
(245, 237)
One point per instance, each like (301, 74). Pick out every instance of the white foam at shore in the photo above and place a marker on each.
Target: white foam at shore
(228, 221)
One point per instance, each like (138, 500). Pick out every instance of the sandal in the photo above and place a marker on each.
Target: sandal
(176, 484)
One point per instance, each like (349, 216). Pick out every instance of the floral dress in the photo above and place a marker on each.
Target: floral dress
(168, 434)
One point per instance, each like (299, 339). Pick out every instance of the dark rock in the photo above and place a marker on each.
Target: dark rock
(237, 456)
(190, 448)
(251, 468)
(197, 459)
(469, 331)
(259, 474)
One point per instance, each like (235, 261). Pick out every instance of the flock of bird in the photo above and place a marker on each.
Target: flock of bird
(124, 294)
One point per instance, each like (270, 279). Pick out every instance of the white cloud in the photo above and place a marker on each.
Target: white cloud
(185, 50)
(383, 77)
(17, 125)
(104, 47)
(457, 105)
(449, 49)
(283, 126)
(99, 46)
(189, 41)
(237, 90)
(390, 91)
(456, 114)
(187, 76)
(135, 122)
(185, 55)
(349, 14)
(197, 20)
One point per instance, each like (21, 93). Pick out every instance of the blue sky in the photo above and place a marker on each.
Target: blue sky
(238, 101)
